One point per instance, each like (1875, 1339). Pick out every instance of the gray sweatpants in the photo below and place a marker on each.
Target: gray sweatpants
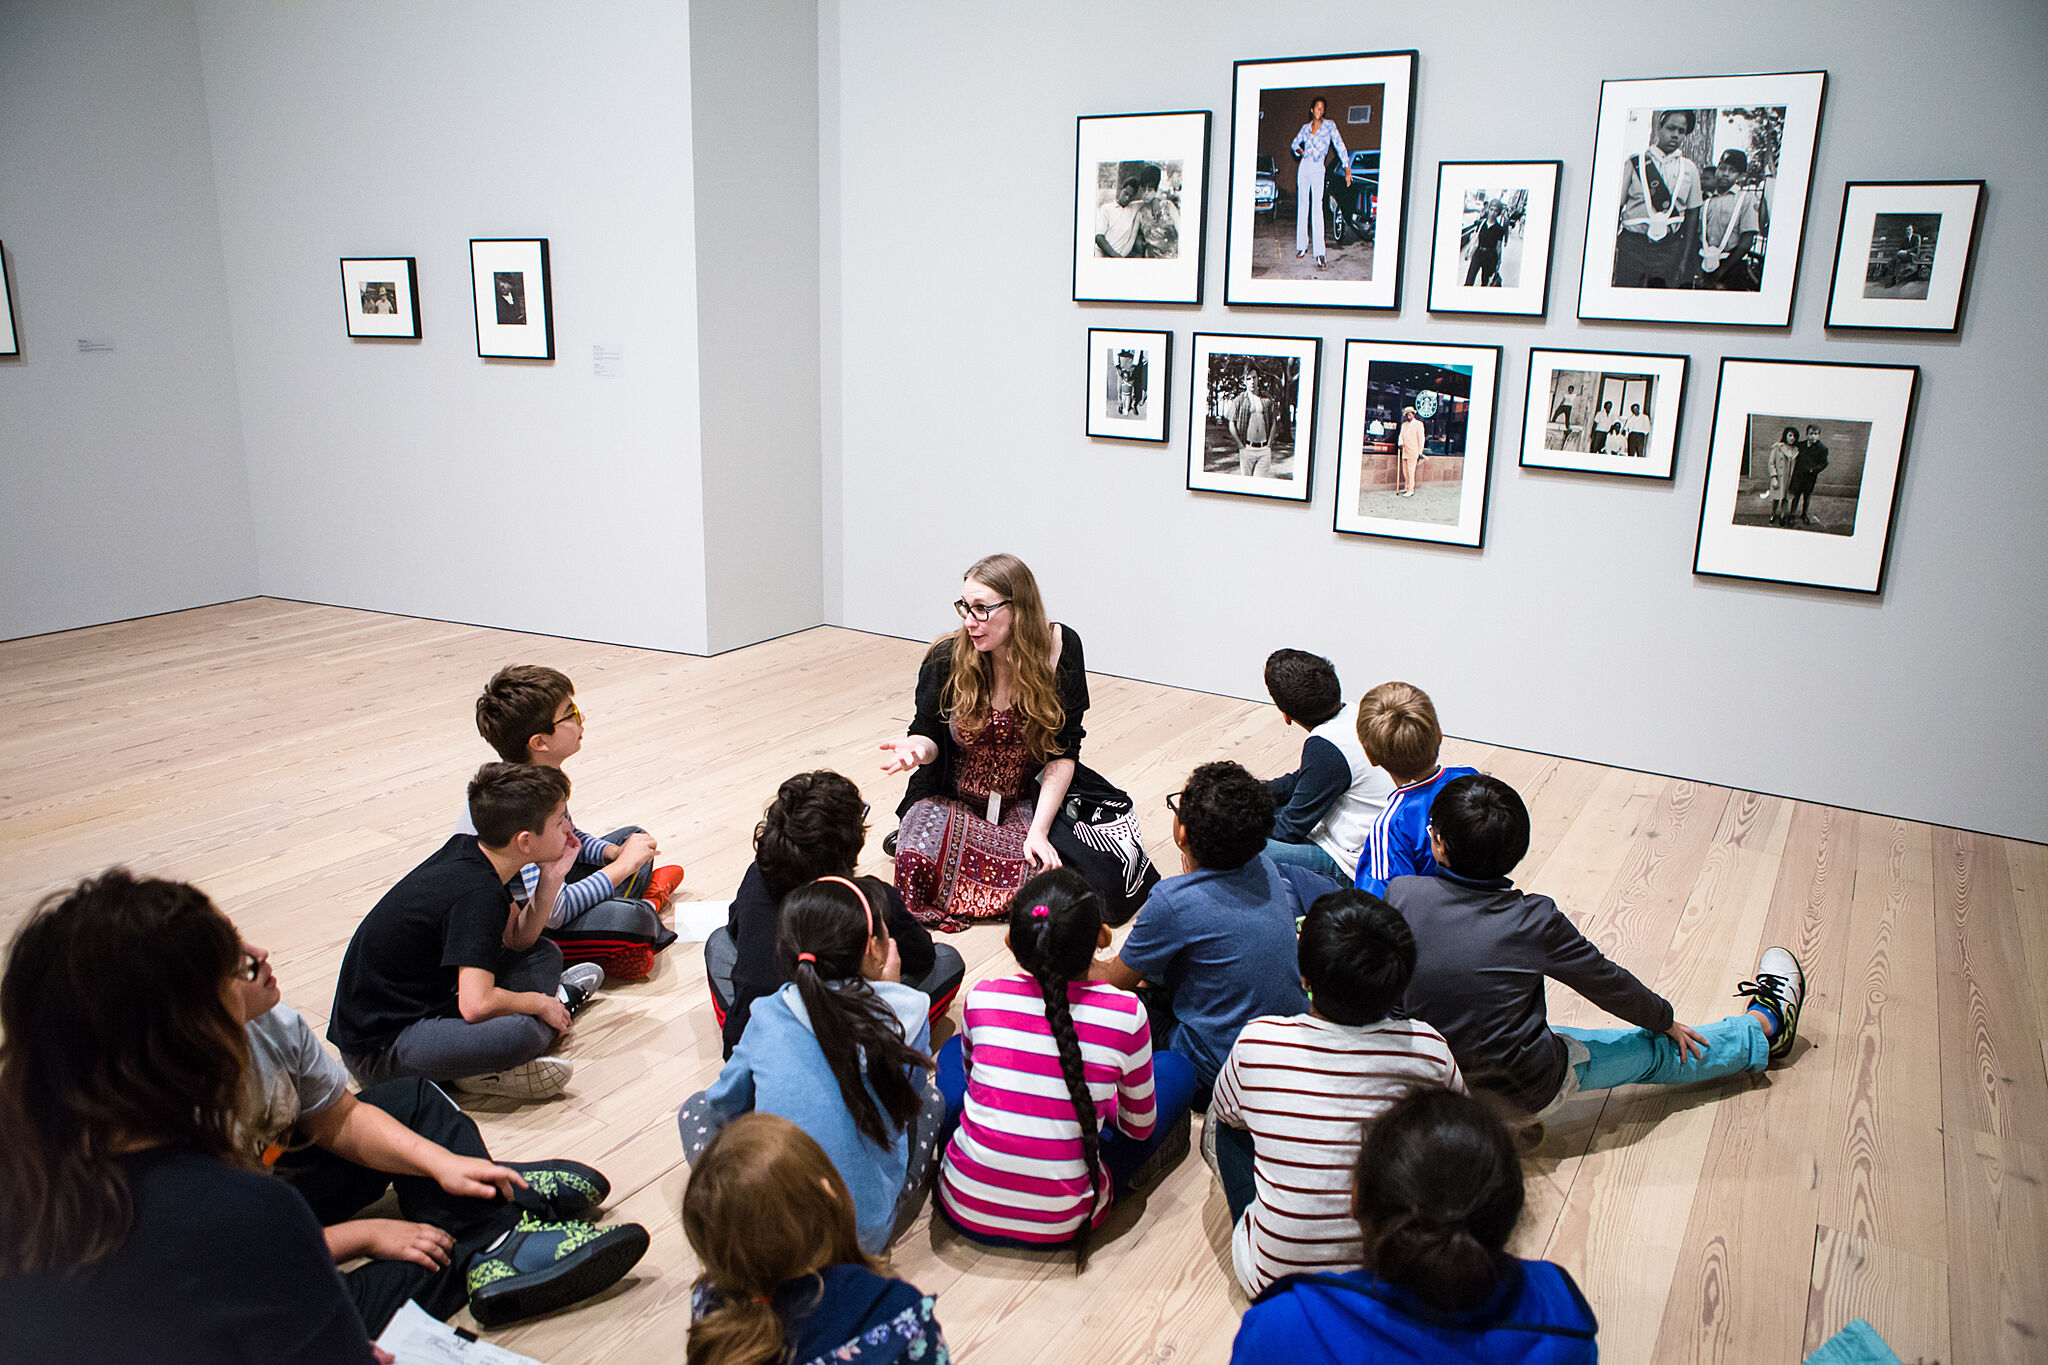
(444, 1050)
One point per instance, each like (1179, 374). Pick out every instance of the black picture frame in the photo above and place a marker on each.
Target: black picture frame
(1276, 278)
(1538, 214)
(1362, 506)
(10, 339)
(512, 328)
(1215, 377)
(1175, 143)
(367, 283)
(1663, 377)
(1114, 390)
(1888, 302)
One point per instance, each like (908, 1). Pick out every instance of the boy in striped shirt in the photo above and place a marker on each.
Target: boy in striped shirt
(1293, 1100)
(1397, 729)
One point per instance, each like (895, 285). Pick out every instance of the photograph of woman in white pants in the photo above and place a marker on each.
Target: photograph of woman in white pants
(1312, 144)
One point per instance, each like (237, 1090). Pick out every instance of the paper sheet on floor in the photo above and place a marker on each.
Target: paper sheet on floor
(694, 920)
(415, 1337)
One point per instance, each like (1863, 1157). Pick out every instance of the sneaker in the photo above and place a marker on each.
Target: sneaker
(570, 1189)
(541, 1266)
(543, 1078)
(1780, 987)
(579, 984)
(662, 884)
(889, 844)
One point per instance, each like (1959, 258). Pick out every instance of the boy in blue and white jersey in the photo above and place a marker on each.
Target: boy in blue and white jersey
(1398, 731)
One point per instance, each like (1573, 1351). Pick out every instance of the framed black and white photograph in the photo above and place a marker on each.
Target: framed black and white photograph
(1130, 375)
(380, 296)
(10, 338)
(1141, 195)
(1252, 424)
(1698, 198)
(1495, 222)
(1416, 440)
(514, 308)
(1803, 472)
(1319, 180)
(1903, 254)
(1603, 412)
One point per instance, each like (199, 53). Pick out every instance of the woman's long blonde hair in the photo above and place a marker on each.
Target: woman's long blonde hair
(970, 691)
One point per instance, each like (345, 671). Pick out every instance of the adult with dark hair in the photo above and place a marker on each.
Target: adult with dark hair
(1325, 807)
(1489, 236)
(998, 792)
(1437, 1194)
(842, 1052)
(1297, 1092)
(130, 1222)
(814, 827)
(1313, 144)
(1217, 942)
(1812, 459)
(785, 1281)
(1062, 1105)
(1730, 221)
(446, 978)
(1661, 198)
(1784, 455)
(1483, 949)
(1116, 223)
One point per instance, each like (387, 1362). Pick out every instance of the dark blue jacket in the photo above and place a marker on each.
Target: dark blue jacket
(1537, 1317)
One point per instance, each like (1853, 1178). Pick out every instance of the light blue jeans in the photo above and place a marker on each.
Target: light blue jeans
(1310, 856)
(1603, 1058)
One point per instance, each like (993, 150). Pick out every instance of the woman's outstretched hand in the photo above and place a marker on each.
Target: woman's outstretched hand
(901, 755)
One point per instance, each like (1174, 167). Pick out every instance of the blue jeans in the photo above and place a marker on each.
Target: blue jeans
(1310, 856)
(1633, 1056)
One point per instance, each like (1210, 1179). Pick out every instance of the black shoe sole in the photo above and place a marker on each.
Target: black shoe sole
(1165, 1158)
(562, 1210)
(583, 1273)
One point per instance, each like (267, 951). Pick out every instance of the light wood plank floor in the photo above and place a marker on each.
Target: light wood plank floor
(296, 760)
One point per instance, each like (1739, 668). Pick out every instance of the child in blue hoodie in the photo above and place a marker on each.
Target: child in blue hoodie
(842, 1052)
(1439, 1189)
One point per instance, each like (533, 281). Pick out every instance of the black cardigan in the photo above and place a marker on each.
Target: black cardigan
(1070, 677)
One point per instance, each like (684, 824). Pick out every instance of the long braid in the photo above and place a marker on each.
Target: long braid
(1060, 1019)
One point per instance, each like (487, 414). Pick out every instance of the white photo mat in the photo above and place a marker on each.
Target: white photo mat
(1298, 485)
(1667, 389)
(396, 271)
(1469, 528)
(10, 340)
(1881, 395)
(1154, 138)
(1109, 391)
(1530, 295)
(1960, 204)
(526, 257)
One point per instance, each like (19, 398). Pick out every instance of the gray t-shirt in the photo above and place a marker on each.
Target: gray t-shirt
(293, 1076)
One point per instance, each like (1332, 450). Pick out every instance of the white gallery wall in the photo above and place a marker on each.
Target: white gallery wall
(954, 362)
(122, 490)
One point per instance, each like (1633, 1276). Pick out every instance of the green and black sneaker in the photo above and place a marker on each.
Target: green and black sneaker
(539, 1267)
(569, 1189)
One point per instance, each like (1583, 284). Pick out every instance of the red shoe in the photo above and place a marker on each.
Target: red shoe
(621, 962)
(661, 885)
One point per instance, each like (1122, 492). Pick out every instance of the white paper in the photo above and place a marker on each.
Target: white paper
(607, 362)
(696, 920)
(415, 1337)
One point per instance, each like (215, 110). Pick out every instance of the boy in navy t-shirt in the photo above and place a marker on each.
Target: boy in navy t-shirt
(1397, 729)
(1326, 805)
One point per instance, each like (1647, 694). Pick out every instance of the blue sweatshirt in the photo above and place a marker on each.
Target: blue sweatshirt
(1537, 1317)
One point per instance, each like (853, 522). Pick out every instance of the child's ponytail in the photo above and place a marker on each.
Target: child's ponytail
(1438, 1193)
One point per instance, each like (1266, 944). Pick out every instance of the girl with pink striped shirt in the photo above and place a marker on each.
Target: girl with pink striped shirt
(1061, 1104)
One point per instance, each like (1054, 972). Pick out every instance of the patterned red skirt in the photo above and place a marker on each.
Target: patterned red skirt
(954, 867)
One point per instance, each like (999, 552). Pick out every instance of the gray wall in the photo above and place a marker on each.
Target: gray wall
(1579, 629)
(124, 488)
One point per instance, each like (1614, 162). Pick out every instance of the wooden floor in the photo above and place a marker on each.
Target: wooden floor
(296, 760)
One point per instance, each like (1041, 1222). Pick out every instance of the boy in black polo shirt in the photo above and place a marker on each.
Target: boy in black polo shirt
(443, 978)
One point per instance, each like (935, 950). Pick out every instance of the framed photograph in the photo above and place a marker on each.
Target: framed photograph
(1130, 375)
(1803, 472)
(1903, 254)
(514, 308)
(380, 296)
(1319, 180)
(1416, 440)
(10, 338)
(1698, 200)
(1252, 423)
(1495, 222)
(1603, 412)
(1141, 206)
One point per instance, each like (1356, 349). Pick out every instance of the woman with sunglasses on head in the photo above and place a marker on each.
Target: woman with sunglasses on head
(997, 790)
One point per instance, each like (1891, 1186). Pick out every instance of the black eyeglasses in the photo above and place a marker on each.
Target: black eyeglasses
(1173, 801)
(978, 610)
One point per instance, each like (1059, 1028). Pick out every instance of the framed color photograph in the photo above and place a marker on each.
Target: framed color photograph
(1803, 472)
(1903, 254)
(514, 309)
(1698, 199)
(1252, 424)
(1319, 180)
(10, 338)
(1603, 412)
(1495, 221)
(1130, 375)
(380, 296)
(1416, 440)
(1141, 196)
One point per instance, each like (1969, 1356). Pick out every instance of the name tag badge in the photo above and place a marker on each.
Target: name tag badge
(995, 808)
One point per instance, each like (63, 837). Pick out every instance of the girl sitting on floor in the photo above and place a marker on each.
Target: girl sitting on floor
(784, 1276)
(1025, 1168)
(842, 1052)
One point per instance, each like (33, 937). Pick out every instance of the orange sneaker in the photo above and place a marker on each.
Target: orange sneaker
(662, 884)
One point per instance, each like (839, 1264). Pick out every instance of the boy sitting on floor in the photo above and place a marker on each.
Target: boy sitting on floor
(814, 827)
(608, 911)
(444, 978)
(1292, 1102)
(1397, 729)
(1482, 950)
(1217, 942)
(1326, 805)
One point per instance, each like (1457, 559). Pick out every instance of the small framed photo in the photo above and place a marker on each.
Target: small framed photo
(1698, 199)
(1130, 375)
(1603, 412)
(1803, 472)
(1252, 424)
(1903, 254)
(1495, 222)
(1141, 198)
(1416, 440)
(514, 307)
(1319, 180)
(10, 338)
(380, 296)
